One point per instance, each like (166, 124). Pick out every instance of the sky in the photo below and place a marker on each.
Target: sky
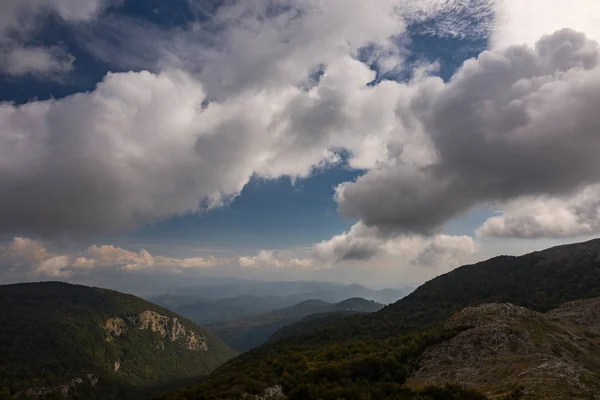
(380, 142)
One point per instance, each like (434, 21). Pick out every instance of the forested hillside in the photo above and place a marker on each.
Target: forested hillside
(96, 343)
(371, 356)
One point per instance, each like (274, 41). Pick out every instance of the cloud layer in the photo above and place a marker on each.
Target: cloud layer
(267, 91)
(27, 258)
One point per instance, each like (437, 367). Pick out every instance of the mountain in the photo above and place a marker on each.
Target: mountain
(325, 291)
(222, 302)
(310, 323)
(374, 355)
(249, 332)
(541, 281)
(555, 355)
(210, 311)
(75, 341)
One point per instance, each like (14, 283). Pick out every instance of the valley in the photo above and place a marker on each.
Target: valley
(508, 328)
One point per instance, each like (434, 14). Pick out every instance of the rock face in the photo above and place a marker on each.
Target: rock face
(115, 327)
(504, 347)
(169, 328)
(270, 393)
(584, 314)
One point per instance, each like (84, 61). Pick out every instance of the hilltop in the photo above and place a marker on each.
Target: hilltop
(555, 355)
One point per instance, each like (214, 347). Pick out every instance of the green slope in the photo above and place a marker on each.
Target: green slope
(311, 323)
(367, 356)
(53, 333)
(540, 281)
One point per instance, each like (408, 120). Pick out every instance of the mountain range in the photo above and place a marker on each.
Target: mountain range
(423, 339)
(246, 333)
(224, 302)
(507, 328)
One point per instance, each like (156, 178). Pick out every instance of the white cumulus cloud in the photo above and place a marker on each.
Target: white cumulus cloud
(515, 122)
(551, 217)
(273, 259)
(363, 243)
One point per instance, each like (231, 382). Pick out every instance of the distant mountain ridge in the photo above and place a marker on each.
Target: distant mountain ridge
(304, 290)
(75, 341)
(214, 304)
(249, 332)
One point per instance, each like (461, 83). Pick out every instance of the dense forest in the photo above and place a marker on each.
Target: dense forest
(54, 333)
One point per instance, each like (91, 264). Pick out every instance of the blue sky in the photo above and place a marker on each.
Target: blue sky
(191, 137)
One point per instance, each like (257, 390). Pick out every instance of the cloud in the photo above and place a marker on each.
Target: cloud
(23, 251)
(140, 149)
(471, 19)
(447, 250)
(39, 61)
(524, 22)
(54, 267)
(144, 146)
(267, 91)
(260, 43)
(363, 243)
(29, 258)
(20, 16)
(276, 260)
(515, 122)
(20, 19)
(359, 243)
(576, 214)
(252, 45)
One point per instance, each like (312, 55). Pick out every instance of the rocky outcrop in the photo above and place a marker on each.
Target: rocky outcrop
(270, 393)
(115, 327)
(169, 328)
(194, 342)
(504, 347)
(583, 314)
(62, 391)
